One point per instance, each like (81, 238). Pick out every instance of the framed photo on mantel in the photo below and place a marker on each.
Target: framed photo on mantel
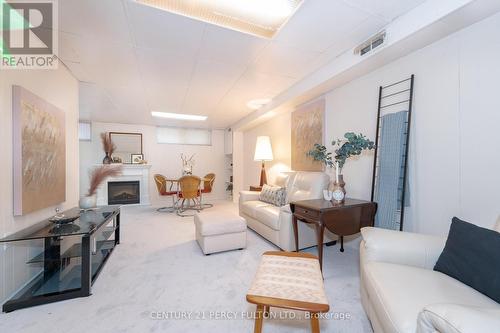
(137, 158)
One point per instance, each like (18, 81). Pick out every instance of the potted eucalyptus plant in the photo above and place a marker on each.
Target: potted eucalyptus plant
(351, 145)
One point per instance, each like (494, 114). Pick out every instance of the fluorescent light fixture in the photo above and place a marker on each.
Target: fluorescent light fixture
(261, 18)
(179, 116)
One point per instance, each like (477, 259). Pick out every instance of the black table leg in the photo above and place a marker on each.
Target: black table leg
(52, 252)
(341, 243)
(295, 233)
(320, 229)
(117, 229)
(86, 266)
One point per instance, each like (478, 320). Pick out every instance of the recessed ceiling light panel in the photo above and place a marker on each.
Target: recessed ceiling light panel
(261, 18)
(179, 116)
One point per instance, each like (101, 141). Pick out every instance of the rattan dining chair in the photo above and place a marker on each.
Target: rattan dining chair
(189, 189)
(208, 184)
(166, 188)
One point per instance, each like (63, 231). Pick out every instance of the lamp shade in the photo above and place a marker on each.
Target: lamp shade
(263, 150)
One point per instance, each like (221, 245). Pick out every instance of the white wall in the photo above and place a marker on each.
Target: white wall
(164, 158)
(454, 158)
(278, 129)
(61, 89)
(454, 153)
(238, 164)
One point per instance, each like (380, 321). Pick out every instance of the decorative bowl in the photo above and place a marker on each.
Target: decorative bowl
(63, 219)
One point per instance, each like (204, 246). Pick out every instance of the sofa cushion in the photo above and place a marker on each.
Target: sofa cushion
(274, 195)
(250, 208)
(269, 215)
(281, 180)
(471, 255)
(308, 185)
(398, 293)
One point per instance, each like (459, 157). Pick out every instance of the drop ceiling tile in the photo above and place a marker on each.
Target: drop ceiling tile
(235, 103)
(93, 101)
(159, 29)
(211, 73)
(165, 96)
(387, 9)
(165, 66)
(227, 114)
(128, 97)
(67, 50)
(106, 63)
(100, 20)
(224, 45)
(256, 82)
(140, 58)
(319, 23)
(90, 92)
(166, 78)
(210, 82)
(78, 71)
(281, 59)
(349, 41)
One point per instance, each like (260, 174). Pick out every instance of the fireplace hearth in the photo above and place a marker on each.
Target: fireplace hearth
(124, 193)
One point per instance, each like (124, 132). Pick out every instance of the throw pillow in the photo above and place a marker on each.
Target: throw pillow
(274, 195)
(472, 256)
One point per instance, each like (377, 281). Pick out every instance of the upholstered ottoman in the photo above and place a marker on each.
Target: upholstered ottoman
(218, 231)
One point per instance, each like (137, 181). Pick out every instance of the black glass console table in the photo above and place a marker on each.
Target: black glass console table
(67, 258)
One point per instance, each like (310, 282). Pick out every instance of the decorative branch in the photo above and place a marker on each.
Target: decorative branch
(107, 144)
(187, 161)
(99, 174)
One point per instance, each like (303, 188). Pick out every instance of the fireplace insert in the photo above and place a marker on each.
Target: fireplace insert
(124, 193)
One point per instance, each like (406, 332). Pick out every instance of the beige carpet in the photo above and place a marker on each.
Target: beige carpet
(157, 280)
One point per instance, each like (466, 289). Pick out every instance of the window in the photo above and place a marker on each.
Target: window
(184, 136)
(85, 131)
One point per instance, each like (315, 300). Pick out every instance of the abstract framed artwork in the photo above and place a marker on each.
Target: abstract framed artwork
(307, 129)
(39, 149)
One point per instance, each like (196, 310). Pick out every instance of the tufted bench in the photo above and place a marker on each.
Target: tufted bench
(288, 280)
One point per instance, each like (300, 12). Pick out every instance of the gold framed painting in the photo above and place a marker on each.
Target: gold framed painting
(307, 129)
(39, 152)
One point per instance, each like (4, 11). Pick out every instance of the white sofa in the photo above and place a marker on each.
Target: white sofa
(401, 293)
(275, 223)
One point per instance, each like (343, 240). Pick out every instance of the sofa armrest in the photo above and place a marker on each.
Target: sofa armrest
(454, 318)
(249, 196)
(286, 209)
(401, 247)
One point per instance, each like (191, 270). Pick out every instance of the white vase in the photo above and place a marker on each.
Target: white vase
(88, 202)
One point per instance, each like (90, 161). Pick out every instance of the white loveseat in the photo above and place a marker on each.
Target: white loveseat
(275, 223)
(401, 293)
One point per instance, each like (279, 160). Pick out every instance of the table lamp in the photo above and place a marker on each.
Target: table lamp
(263, 152)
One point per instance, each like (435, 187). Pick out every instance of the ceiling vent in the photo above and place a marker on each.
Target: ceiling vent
(371, 44)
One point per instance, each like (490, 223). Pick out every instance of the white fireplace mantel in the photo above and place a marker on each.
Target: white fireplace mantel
(131, 172)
